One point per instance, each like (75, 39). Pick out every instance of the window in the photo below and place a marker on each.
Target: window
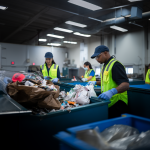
(129, 70)
(97, 71)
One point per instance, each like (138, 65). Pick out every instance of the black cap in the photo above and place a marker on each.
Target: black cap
(99, 50)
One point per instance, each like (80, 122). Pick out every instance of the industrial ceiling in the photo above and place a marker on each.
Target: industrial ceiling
(25, 20)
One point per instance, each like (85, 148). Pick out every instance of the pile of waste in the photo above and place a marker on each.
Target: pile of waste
(41, 96)
(117, 137)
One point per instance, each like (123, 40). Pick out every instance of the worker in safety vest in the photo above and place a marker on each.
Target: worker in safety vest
(89, 73)
(147, 79)
(114, 82)
(50, 68)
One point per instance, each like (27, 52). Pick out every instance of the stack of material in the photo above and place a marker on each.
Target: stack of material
(32, 93)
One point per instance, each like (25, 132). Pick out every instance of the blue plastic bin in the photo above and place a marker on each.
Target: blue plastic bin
(139, 100)
(70, 142)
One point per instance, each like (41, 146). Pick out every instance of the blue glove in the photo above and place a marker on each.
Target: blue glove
(91, 82)
(55, 80)
(108, 95)
(47, 78)
(84, 79)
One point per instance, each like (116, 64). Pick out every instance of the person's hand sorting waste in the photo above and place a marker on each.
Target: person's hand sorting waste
(91, 82)
(108, 95)
(47, 78)
(55, 80)
(84, 79)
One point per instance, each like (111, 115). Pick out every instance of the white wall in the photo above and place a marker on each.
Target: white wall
(74, 53)
(18, 54)
(131, 49)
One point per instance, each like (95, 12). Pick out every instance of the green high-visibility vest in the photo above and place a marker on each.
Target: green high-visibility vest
(147, 80)
(87, 73)
(107, 83)
(52, 71)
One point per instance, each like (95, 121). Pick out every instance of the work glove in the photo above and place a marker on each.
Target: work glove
(47, 78)
(84, 79)
(55, 80)
(108, 95)
(91, 82)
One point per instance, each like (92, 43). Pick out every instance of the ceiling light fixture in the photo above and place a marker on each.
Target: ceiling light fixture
(69, 42)
(42, 40)
(80, 34)
(55, 36)
(118, 28)
(134, 0)
(76, 24)
(85, 4)
(63, 30)
(54, 44)
(3, 7)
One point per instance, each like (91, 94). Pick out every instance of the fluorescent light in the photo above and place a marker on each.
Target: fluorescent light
(63, 30)
(55, 36)
(3, 8)
(85, 4)
(70, 42)
(42, 40)
(118, 28)
(76, 24)
(134, 0)
(80, 34)
(54, 44)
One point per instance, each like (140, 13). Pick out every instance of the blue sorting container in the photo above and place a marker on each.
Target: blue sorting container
(70, 142)
(139, 100)
(36, 131)
(136, 82)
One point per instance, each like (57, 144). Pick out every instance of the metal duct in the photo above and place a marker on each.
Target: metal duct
(100, 26)
(97, 28)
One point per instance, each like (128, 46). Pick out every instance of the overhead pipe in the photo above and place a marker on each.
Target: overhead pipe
(97, 28)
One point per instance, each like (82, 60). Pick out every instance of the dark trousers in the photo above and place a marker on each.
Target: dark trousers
(117, 109)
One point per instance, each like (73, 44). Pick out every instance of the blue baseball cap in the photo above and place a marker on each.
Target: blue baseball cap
(48, 55)
(99, 49)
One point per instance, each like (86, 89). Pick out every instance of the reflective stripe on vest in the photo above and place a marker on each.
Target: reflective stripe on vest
(52, 71)
(87, 73)
(147, 79)
(107, 83)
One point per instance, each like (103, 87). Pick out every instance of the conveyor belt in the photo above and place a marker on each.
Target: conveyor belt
(8, 106)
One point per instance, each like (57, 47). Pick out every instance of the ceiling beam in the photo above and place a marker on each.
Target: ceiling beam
(27, 23)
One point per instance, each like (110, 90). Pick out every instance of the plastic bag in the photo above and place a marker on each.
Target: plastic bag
(62, 94)
(123, 143)
(100, 140)
(3, 83)
(82, 97)
(91, 90)
(93, 138)
(117, 132)
(141, 143)
(28, 83)
(70, 95)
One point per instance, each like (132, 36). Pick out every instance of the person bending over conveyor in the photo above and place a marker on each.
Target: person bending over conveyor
(114, 82)
(89, 73)
(50, 68)
(147, 79)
